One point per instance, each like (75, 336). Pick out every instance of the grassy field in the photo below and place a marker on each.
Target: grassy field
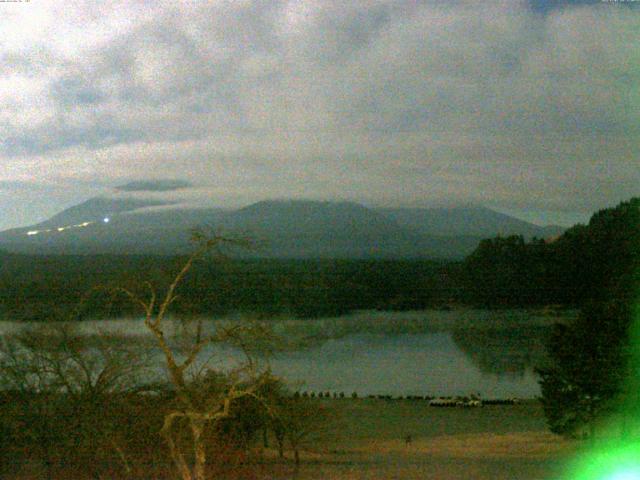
(368, 440)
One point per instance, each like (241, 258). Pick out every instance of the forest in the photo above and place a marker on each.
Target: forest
(586, 263)
(57, 389)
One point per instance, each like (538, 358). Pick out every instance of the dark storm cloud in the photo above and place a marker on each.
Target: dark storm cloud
(531, 103)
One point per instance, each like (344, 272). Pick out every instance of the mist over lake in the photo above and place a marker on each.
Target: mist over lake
(427, 352)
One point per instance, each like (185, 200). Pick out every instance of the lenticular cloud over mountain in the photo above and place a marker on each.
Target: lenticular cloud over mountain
(154, 186)
(518, 105)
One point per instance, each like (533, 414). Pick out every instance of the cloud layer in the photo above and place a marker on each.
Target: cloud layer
(162, 185)
(531, 105)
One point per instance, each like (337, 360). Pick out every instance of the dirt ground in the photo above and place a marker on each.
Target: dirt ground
(507, 442)
(376, 439)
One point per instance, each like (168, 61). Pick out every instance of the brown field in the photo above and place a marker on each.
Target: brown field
(368, 441)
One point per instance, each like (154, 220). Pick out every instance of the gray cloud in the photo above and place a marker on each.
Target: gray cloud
(531, 104)
(546, 6)
(154, 186)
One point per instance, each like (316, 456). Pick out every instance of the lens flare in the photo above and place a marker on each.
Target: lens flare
(610, 462)
(631, 475)
(618, 459)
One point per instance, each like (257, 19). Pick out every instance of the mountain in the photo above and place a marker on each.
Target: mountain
(97, 209)
(281, 228)
(299, 228)
(467, 221)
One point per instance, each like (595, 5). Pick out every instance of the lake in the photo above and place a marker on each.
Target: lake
(432, 353)
(409, 364)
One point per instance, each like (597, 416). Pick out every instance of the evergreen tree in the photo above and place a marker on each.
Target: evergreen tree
(587, 368)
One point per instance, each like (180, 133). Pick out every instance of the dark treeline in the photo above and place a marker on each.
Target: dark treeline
(586, 263)
(76, 287)
(588, 373)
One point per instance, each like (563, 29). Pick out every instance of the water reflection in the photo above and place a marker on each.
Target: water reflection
(416, 353)
(419, 364)
(510, 352)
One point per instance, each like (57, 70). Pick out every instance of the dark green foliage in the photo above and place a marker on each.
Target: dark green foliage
(50, 288)
(588, 364)
(507, 272)
(602, 257)
(587, 263)
(597, 267)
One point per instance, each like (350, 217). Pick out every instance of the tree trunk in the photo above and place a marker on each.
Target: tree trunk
(296, 456)
(280, 442)
(176, 455)
(197, 426)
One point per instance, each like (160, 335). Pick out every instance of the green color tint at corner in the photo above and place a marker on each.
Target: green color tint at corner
(619, 461)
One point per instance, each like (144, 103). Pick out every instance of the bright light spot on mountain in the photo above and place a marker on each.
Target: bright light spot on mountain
(106, 220)
(33, 232)
(61, 229)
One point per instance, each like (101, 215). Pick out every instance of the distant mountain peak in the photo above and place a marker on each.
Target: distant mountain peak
(290, 228)
(100, 207)
(474, 220)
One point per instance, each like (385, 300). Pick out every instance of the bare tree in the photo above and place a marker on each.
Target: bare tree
(199, 407)
(302, 420)
(64, 383)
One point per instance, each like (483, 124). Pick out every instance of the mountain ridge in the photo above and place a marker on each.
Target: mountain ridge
(286, 228)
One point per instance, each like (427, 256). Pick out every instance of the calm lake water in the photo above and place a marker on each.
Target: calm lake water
(416, 353)
(417, 364)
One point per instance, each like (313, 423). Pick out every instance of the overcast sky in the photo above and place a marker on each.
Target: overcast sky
(530, 107)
